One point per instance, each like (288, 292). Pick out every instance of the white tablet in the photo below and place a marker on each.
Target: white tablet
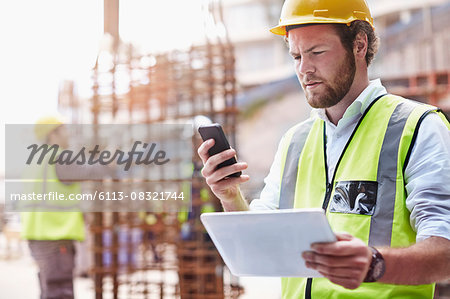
(268, 243)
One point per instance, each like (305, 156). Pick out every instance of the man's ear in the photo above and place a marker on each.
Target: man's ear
(360, 45)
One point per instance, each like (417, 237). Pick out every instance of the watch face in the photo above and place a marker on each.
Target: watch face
(378, 265)
(378, 269)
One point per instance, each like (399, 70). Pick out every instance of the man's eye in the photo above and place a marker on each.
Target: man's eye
(297, 57)
(318, 52)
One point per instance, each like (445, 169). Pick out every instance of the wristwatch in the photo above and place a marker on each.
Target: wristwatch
(376, 268)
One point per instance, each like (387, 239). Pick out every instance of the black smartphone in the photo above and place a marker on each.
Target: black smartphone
(214, 131)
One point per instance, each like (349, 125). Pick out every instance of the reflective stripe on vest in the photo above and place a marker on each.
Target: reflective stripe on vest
(375, 153)
(289, 176)
(386, 177)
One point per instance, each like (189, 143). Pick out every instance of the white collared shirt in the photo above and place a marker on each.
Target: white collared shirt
(427, 175)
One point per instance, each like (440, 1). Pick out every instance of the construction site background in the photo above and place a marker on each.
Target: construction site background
(242, 79)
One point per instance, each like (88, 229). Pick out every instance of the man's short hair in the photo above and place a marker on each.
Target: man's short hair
(348, 33)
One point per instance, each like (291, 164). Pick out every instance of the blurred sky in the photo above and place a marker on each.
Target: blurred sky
(44, 42)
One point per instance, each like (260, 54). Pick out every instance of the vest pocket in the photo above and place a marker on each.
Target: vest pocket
(354, 197)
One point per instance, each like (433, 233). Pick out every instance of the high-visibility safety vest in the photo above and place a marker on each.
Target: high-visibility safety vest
(366, 196)
(61, 225)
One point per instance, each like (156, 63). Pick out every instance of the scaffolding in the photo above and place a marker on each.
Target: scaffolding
(160, 254)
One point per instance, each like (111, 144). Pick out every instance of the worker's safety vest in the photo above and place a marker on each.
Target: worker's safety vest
(61, 225)
(366, 196)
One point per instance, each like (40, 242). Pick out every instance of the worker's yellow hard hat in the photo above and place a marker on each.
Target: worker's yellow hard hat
(47, 124)
(298, 12)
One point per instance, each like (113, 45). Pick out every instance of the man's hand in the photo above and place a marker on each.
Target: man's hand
(226, 189)
(344, 262)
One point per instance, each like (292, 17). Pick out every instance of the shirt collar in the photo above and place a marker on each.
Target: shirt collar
(357, 108)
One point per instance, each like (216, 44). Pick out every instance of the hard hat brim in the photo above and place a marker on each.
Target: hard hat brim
(280, 29)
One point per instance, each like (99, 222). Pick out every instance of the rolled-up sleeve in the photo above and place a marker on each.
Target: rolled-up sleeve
(427, 177)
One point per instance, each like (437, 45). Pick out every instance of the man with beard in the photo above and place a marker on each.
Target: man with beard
(377, 164)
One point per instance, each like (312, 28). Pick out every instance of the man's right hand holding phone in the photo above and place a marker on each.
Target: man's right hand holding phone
(220, 180)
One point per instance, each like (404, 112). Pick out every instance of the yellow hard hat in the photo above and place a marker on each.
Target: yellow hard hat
(297, 12)
(47, 124)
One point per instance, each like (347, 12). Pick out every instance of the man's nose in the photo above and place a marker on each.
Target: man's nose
(305, 66)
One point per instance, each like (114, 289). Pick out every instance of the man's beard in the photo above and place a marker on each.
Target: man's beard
(334, 90)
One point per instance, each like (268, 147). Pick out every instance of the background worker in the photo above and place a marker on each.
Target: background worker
(379, 165)
(51, 235)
